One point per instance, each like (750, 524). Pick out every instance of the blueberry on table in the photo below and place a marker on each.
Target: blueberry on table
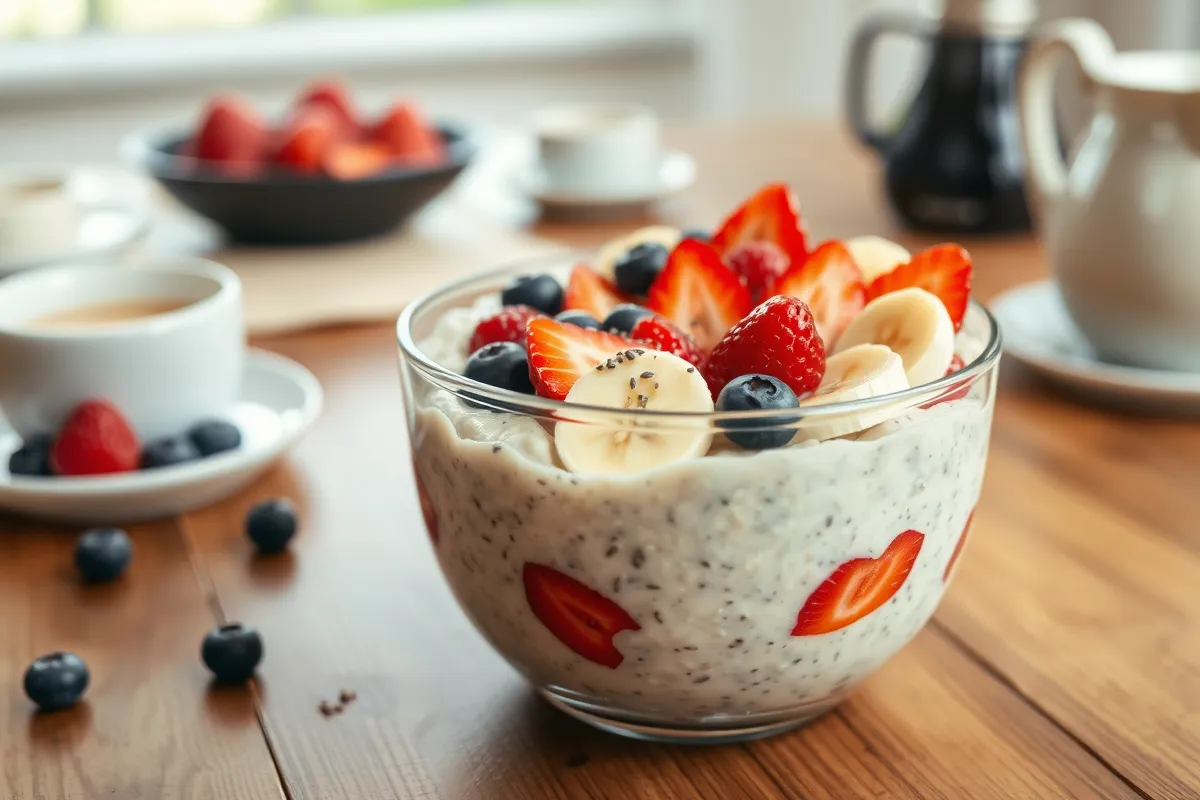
(578, 318)
(271, 525)
(501, 364)
(56, 681)
(636, 269)
(622, 318)
(169, 452)
(214, 436)
(232, 652)
(542, 292)
(32, 458)
(102, 554)
(754, 393)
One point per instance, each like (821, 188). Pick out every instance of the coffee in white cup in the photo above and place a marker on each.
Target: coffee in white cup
(598, 149)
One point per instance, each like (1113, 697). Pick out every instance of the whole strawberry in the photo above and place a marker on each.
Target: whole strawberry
(778, 338)
(662, 334)
(506, 326)
(95, 440)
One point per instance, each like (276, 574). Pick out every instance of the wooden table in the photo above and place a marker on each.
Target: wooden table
(1064, 662)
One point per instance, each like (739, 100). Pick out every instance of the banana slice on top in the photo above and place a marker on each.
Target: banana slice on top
(866, 370)
(606, 257)
(912, 322)
(876, 256)
(634, 379)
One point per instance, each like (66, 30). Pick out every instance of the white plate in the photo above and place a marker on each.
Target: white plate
(280, 400)
(676, 173)
(114, 213)
(1038, 332)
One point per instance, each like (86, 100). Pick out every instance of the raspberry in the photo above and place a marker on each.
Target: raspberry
(95, 440)
(661, 334)
(507, 326)
(780, 339)
(759, 264)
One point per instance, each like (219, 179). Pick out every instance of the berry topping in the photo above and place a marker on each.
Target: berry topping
(944, 270)
(577, 615)
(957, 391)
(232, 652)
(622, 318)
(307, 139)
(780, 339)
(858, 587)
(754, 393)
(32, 458)
(591, 292)
(56, 681)
(407, 134)
(559, 354)
(699, 293)
(956, 364)
(271, 525)
(506, 326)
(102, 554)
(636, 269)
(830, 284)
(539, 291)
(581, 318)
(330, 96)
(169, 452)
(771, 215)
(214, 436)
(759, 264)
(662, 334)
(503, 365)
(354, 160)
(95, 440)
(231, 136)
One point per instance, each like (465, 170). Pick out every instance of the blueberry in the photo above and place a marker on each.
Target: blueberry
(169, 452)
(622, 318)
(637, 269)
(752, 393)
(232, 652)
(56, 681)
(214, 436)
(503, 365)
(33, 457)
(697, 234)
(271, 525)
(102, 554)
(580, 318)
(540, 291)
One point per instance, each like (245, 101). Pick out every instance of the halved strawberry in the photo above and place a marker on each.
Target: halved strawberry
(858, 587)
(830, 284)
(958, 391)
(662, 334)
(560, 352)
(772, 215)
(958, 547)
(697, 292)
(588, 290)
(578, 616)
(944, 270)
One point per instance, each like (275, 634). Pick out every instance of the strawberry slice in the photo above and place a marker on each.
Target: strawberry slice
(662, 334)
(858, 587)
(958, 390)
(428, 512)
(578, 616)
(944, 270)
(560, 352)
(771, 215)
(830, 284)
(958, 547)
(697, 292)
(96, 439)
(588, 290)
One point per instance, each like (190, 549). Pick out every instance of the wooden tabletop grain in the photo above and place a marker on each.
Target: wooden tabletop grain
(1064, 662)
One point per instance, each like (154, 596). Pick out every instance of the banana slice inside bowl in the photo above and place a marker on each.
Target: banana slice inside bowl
(911, 322)
(613, 249)
(876, 256)
(637, 380)
(857, 373)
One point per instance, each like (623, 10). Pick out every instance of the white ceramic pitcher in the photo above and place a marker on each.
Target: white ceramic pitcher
(1121, 222)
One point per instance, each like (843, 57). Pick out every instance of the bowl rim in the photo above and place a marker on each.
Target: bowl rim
(532, 405)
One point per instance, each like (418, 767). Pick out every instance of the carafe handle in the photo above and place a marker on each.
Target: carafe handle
(865, 39)
(1090, 46)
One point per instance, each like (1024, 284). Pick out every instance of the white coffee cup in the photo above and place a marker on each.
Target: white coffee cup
(598, 148)
(167, 369)
(37, 216)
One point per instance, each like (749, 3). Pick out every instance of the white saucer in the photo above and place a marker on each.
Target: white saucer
(114, 212)
(677, 172)
(280, 400)
(1038, 332)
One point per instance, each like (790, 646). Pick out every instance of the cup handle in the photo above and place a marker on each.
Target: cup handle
(865, 39)
(1085, 41)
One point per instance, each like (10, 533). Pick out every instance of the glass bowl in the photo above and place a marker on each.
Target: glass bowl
(721, 598)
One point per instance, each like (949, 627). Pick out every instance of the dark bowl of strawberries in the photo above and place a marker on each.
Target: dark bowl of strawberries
(322, 175)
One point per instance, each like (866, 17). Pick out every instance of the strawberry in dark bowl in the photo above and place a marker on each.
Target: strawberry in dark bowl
(712, 523)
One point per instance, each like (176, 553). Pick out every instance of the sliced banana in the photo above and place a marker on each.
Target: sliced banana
(914, 324)
(650, 380)
(606, 257)
(863, 371)
(876, 256)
